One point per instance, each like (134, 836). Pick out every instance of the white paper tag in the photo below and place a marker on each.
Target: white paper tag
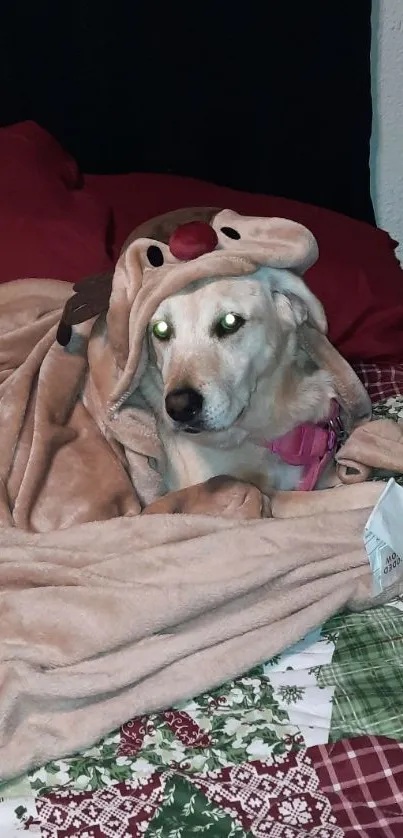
(383, 538)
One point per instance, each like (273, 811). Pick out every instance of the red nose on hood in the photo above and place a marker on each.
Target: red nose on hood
(192, 240)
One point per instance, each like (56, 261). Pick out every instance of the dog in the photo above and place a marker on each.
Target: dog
(227, 374)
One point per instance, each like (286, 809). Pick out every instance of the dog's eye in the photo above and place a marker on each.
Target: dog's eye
(162, 330)
(228, 324)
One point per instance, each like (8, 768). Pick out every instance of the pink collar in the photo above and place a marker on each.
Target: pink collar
(311, 446)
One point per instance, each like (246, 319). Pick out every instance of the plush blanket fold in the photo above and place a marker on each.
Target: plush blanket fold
(110, 604)
(103, 621)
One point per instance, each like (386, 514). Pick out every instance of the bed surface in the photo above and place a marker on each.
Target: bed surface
(308, 744)
(276, 102)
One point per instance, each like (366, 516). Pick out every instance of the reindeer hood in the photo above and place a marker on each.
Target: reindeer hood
(170, 252)
(164, 256)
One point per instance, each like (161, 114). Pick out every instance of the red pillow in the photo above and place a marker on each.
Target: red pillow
(49, 225)
(357, 278)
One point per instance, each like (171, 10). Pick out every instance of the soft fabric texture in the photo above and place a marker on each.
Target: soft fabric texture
(110, 620)
(70, 225)
(50, 224)
(357, 278)
(106, 612)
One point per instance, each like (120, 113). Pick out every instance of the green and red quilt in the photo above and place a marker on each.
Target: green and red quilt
(308, 744)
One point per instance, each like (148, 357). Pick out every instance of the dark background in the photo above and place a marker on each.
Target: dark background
(270, 97)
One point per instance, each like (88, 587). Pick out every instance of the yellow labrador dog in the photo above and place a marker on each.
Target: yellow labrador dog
(219, 345)
(227, 377)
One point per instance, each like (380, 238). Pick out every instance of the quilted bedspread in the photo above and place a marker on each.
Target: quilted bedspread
(309, 744)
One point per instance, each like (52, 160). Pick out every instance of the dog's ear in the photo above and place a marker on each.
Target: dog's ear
(294, 302)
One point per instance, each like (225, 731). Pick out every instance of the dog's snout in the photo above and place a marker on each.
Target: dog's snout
(184, 404)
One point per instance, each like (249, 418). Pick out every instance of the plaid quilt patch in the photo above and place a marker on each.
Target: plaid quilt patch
(381, 380)
(363, 781)
(366, 672)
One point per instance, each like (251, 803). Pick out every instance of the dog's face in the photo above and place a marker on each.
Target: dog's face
(211, 344)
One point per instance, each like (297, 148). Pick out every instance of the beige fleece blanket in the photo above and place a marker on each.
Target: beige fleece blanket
(105, 611)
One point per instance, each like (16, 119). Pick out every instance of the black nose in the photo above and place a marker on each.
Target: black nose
(184, 404)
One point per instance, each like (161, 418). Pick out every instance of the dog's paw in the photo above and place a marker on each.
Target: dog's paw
(222, 496)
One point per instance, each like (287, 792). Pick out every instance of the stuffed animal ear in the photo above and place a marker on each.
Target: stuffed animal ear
(276, 242)
(294, 302)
